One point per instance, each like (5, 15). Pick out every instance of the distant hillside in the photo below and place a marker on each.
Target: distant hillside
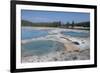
(26, 23)
(41, 24)
(55, 24)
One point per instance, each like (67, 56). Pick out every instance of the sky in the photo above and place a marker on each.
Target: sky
(51, 16)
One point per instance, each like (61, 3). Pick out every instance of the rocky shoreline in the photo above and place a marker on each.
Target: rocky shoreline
(61, 55)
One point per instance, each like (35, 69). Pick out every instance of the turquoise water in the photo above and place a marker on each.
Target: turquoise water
(31, 33)
(76, 34)
(40, 47)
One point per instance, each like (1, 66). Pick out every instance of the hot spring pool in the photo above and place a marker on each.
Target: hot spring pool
(31, 33)
(76, 34)
(40, 47)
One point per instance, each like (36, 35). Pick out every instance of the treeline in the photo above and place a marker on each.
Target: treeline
(80, 24)
(56, 24)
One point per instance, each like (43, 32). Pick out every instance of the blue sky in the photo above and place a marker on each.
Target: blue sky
(51, 16)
